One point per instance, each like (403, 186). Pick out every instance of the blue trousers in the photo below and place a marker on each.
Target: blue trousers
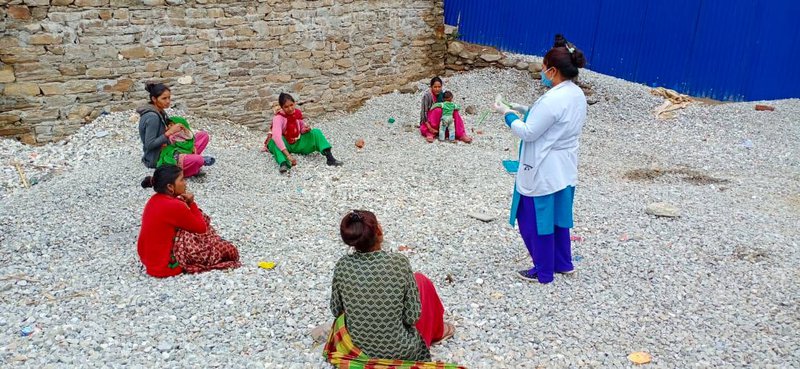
(551, 253)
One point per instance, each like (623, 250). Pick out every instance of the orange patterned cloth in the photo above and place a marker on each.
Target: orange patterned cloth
(200, 252)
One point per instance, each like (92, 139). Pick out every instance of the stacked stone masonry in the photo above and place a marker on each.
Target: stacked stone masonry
(64, 62)
(463, 56)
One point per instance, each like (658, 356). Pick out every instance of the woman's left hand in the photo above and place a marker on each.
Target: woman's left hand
(187, 197)
(306, 129)
(501, 108)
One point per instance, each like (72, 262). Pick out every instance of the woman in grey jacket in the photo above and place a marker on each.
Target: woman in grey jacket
(154, 134)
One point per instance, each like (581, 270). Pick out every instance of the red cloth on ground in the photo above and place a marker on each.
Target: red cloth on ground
(161, 218)
(431, 320)
(200, 252)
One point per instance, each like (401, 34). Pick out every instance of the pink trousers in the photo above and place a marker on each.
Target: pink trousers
(193, 162)
(435, 119)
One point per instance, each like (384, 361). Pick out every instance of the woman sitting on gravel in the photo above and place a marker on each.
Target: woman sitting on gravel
(383, 310)
(155, 136)
(548, 162)
(429, 120)
(289, 135)
(176, 236)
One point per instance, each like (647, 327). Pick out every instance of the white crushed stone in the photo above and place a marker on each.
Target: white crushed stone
(717, 287)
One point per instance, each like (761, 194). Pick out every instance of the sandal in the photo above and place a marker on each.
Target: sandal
(449, 331)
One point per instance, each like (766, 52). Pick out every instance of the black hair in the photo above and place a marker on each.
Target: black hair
(436, 79)
(155, 89)
(163, 176)
(283, 98)
(565, 57)
(448, 94)
(359, 228)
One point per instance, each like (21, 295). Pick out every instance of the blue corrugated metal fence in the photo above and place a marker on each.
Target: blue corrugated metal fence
(723, 49)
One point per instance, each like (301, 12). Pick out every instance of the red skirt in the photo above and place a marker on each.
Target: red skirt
(431, 321)
(200, 252)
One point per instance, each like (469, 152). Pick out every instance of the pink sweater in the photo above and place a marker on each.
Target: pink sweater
(279, 126)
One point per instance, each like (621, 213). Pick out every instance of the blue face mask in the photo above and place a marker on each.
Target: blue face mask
(547, 82)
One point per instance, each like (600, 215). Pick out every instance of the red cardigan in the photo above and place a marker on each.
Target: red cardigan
(162, 216)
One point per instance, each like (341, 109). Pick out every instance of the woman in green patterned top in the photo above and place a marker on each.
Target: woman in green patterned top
(390, 311)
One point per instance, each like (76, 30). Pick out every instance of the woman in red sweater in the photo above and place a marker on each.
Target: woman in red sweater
(167, 211)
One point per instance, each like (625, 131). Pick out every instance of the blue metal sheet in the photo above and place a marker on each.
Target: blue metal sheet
(777, 46)
(724, 49)
(667, 36)
(617, 49)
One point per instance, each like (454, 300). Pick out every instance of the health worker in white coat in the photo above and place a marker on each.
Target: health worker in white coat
(548, 162)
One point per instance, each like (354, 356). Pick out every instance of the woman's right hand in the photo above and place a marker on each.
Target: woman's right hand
(291, 159)
(431, 130)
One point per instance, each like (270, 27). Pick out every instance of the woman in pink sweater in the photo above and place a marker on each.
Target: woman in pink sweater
(289, 135)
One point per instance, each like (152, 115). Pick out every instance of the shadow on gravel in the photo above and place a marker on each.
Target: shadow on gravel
(685, 174)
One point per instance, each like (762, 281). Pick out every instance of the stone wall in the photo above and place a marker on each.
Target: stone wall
(464, 56)
(64, 62)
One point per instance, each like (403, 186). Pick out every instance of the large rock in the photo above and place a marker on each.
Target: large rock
(91, 2)
(137, 52)
(535, 67)
(37, 2)
(123, 85)
(7, 74)
(508, 62)
(21, 89)
(20, 12)
(455, 48)
(491, 57)
(663, 209)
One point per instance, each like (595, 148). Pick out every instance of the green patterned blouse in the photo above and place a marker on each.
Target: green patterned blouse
(378, 294)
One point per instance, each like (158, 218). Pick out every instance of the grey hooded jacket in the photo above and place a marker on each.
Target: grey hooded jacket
(152, 125)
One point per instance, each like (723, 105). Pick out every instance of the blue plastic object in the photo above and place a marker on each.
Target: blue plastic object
(511, 166)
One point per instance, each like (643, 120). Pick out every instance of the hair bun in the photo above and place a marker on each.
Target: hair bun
(148, 86)
(147, 182)
(578, 59)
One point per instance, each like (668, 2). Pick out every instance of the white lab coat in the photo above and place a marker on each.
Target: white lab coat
(548, 160)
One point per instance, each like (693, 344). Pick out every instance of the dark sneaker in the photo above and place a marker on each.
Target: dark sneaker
(334, 163)
(207, 160)
(528, 275)
(284, 168)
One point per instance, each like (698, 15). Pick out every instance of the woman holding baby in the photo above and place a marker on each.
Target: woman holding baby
(168, 140)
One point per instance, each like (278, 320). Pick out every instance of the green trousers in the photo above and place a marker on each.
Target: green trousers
(311, 141)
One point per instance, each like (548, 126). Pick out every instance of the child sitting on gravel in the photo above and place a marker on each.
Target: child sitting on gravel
(448, 108)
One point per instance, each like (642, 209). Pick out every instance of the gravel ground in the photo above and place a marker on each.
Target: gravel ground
(716, 287)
